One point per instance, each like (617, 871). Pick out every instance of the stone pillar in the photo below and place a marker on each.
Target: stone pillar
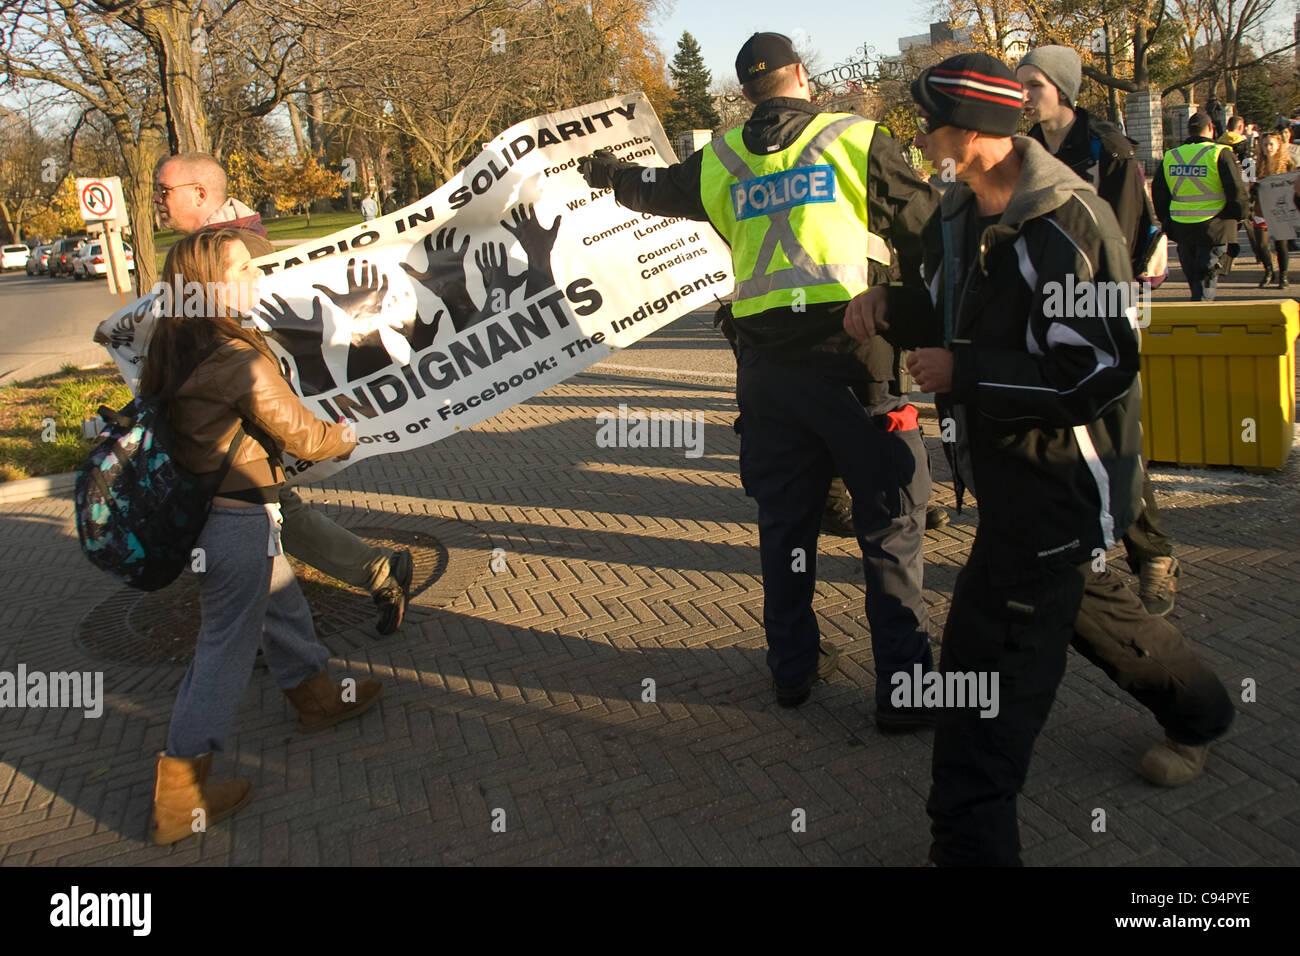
(1144, 122)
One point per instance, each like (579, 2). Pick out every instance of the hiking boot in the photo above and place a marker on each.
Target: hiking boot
(900, 720)
(838, 523)
(322, 703)
(936, 516)
(827, 660)
(1156, 585)
(1172, 765)
(837, 518)
(393, 594)
(181, 788)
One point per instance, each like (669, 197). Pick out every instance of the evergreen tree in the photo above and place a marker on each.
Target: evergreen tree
(692, 104)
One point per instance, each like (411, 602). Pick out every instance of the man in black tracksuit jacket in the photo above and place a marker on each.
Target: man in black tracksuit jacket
(1117, 178)
(1044, 405)
(814, 402)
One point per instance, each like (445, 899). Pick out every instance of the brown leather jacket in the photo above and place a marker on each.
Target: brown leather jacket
(236, 382)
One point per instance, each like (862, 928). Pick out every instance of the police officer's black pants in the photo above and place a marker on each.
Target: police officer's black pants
(1144, 540)
(797, 429)
(1200, 264)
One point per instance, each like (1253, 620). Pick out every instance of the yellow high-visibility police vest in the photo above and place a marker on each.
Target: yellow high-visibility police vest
(1195, 188)
(796, 220)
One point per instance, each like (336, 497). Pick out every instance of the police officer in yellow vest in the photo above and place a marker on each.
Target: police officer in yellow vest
(810, 203)
(1200, 200)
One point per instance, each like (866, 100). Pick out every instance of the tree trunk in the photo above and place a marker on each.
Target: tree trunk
(177, 40)
(1112, 94)
(316, 122)
(295, 124)
(138, 154)
(1141, 76)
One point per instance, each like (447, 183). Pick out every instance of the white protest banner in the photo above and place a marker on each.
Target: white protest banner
(1277, 203)
(503, 282)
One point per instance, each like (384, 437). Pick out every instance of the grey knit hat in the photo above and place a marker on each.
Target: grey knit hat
(1061, 65)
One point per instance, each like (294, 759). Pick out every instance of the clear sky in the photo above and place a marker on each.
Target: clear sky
(834, 28)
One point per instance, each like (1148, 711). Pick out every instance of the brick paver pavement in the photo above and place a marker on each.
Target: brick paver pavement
(522, 700)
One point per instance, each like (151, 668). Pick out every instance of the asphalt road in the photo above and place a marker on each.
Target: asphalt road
(47, 323)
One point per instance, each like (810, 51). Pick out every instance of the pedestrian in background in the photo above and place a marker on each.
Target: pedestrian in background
(1271, 161)
(1200, 198)
(1099, 153)
(369, 207)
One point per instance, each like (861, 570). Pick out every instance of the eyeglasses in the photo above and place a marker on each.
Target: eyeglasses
(160, 192)
(925, 126)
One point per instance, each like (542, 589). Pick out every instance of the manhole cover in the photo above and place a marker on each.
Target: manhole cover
(160, 628)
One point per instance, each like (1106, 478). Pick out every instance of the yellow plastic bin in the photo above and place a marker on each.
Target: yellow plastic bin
(1218, 382)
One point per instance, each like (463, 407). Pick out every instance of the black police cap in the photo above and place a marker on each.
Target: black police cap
(763, 53)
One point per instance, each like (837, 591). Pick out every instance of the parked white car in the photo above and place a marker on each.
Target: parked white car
(92, 260)
(14, 257)
(38, 262)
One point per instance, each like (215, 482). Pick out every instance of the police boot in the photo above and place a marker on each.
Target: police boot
(1172, 765)
(185, 803)
(322, 703)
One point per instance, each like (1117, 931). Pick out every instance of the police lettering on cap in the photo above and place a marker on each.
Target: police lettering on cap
(763, 53)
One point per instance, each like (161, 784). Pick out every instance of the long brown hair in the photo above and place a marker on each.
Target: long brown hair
(1279, 162)
(180, 342)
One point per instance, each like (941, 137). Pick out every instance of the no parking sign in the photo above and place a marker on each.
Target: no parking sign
(100, 200)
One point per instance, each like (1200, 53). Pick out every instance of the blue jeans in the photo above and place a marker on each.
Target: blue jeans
(247, 599)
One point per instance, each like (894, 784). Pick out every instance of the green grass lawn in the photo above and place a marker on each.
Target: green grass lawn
(293, 228)
(67, 397)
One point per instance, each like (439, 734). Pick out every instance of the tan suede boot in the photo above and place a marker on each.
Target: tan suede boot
(185, 803)
(1172, 765)
(321, 702)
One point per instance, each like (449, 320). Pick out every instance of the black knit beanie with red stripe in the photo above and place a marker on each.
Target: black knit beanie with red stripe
(970, 91)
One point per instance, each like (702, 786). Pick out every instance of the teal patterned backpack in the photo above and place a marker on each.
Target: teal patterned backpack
(139, 513)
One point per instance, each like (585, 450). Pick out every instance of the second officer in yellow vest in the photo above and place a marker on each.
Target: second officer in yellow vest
(1200, 197)
(810, 203)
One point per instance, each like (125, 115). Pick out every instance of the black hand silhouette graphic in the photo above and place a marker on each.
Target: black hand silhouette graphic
(498, 283)
(301, 338)
(420, 333)
(538, 242)
(444, 275)
(364, 298)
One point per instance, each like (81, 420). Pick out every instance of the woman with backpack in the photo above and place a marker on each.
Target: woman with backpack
(212, 376)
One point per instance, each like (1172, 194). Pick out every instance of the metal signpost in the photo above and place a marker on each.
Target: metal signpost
(101, 203)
